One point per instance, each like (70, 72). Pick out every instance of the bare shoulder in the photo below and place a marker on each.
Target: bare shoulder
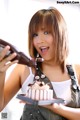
(17, 76)
(22, 69)
(77, 70)
(19, 73)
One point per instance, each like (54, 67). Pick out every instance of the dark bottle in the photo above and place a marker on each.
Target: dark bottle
(23, 59)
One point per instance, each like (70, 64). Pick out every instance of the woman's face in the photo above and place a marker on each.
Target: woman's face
(44, 44)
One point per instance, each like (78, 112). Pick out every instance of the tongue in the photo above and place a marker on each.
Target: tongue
(44, 50)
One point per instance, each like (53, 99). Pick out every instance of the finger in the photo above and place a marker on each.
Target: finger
(11, 63)
(23, 102)
(57, 108)
(6, 60)
(4, 52)
(7, 65)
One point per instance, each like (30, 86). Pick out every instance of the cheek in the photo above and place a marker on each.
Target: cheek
(34, 44)
(51, 42)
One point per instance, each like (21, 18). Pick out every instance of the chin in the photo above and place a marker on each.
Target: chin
(46, 59)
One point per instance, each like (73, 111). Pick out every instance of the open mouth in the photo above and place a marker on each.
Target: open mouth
(44, 49)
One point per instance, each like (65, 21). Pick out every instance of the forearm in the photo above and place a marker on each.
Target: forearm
(67, 112)
(2, 79)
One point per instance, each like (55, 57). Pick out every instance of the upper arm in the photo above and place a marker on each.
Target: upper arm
(13, 83)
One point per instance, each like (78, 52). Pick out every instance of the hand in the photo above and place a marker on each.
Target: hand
(57, 108)
(5, 62)
(21, 101)
(67, 112)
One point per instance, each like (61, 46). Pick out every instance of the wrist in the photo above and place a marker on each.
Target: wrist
(67, 112)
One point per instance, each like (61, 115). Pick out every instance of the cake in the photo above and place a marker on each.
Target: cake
(39, 91)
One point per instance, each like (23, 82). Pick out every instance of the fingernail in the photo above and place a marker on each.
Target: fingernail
(55, 105)
(16, 61)
(7, 47)
(15, 54)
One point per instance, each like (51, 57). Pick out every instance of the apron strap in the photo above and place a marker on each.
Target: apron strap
(41, 77)
(75, 92)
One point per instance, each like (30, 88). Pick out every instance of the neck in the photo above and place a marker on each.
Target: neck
(52, 65)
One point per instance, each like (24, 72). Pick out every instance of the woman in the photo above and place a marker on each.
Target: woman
(48, 40)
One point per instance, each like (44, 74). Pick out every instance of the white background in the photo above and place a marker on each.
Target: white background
(14, 19)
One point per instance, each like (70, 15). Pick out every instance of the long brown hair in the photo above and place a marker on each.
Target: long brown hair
(53, 21)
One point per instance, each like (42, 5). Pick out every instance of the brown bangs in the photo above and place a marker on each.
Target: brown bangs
(42, 22)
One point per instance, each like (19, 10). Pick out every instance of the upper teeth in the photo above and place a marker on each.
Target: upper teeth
(43, 47)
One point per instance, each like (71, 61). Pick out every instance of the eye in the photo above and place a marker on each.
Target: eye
(35, 35)
(46, 32)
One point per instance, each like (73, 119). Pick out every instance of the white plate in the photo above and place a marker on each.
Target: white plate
(40, 102)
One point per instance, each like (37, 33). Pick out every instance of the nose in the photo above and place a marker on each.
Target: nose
(41, 39)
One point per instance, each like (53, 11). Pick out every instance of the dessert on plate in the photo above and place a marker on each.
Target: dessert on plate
(39, 91)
